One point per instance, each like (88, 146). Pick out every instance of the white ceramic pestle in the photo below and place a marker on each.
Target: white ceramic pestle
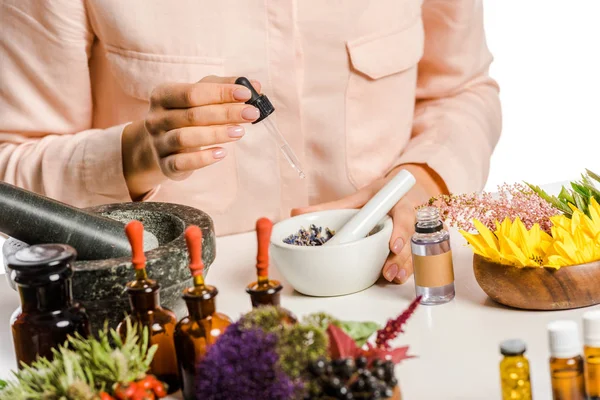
(371, 213)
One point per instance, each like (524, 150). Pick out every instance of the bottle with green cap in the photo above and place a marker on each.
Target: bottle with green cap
(566, 363)
(591, 351)
(514, 371)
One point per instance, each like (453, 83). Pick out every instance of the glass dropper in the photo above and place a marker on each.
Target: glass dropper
(265, 107)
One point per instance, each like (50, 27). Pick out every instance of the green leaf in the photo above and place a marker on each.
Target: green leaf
(555, 202)
(359, 331)
(565, 196)
(592, 175)
(580, 189)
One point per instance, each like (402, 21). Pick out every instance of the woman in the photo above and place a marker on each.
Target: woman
(112, 101)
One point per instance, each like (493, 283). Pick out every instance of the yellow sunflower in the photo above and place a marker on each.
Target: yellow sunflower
(576, 240)
(511, 243)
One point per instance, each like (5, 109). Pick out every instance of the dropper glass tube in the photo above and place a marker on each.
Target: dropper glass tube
(265, 107)
(284, 147)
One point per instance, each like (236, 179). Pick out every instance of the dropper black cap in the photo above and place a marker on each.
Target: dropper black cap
(259, 101)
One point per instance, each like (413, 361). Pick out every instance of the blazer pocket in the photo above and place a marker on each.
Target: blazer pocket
(212, 188)
(380, 99)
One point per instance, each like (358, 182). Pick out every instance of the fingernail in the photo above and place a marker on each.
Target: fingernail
(397, 246)
(219, 153)
(391, 272)
(235, 131)
(402, 275)
(250, 113)
(242, 93)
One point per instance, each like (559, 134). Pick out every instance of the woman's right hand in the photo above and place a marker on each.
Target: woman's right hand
(184, 119)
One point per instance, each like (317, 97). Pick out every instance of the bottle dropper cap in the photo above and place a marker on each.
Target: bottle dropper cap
(264, 227)
(135, 233)
(193, 239)
(257, 100)
(563, 338)
(591, 328)
(512, 347)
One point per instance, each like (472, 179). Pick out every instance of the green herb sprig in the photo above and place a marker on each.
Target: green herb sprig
(83, 367)
(579, 195)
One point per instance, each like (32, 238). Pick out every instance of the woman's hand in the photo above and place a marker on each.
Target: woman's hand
(398, 266)
(184, 119)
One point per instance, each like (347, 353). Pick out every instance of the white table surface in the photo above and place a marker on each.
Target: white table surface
(456, 343)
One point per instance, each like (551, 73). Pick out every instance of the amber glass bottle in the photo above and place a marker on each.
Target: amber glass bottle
(47, 314)
(203, 325)
(144, 299)
(265, 291)
(566, 365)
(514, 371)
(591, 351)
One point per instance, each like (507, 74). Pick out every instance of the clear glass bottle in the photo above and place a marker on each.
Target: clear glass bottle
(146, 311)
(591, 351)
(47, 314)
(432, 258)
(514, 371)
(197, 331)
(265, 291)
(566, 363)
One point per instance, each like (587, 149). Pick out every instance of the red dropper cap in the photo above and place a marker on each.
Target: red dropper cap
(135, 233)
(193, 239)
(264, 226)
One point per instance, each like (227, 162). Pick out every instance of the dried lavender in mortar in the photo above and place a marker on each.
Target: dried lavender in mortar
(312, 237)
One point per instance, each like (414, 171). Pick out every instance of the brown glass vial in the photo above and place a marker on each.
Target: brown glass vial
(47, 315)
(146, 311)
(265, 291)
(591, 351)
(196, 332)
(566, 364)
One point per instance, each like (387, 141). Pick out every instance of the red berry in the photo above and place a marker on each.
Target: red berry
(106, 396)
(159, 390)
(125, 392)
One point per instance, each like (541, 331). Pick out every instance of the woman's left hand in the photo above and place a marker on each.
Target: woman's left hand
(398, 266)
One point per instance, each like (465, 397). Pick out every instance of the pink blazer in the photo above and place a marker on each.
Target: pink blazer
(359, 87)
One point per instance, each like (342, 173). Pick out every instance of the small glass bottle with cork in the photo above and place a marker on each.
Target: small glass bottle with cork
(432, 258)
(196, 332)
(47, 315)
(591, 351)
(514, 371)
(146, 311)
(265, 291)
(566, 363)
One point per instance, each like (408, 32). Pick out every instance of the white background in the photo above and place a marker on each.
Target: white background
(547, 63)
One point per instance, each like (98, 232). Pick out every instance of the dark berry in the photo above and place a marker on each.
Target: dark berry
(318, 367)
(377, 363)
(344, 368)
(361, 362)
(388, 393)
(388, 366)
(392, 382)
(360, 385)
(365, 373)
(379, 373)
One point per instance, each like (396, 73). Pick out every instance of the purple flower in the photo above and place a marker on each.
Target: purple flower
(243, 365)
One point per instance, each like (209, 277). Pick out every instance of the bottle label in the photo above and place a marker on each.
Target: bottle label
(433, 271)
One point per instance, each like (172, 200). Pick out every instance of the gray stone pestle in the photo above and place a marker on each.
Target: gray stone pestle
(36, 219)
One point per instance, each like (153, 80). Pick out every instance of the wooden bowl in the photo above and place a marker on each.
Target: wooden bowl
(539, 288)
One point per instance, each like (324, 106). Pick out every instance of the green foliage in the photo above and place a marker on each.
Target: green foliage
(359, 331)
(82, 367)
(578, 196)
(268, 318)
(299, 346)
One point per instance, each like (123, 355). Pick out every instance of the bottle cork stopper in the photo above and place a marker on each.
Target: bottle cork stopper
(135, 233)
(264, 226)
(193, 239)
